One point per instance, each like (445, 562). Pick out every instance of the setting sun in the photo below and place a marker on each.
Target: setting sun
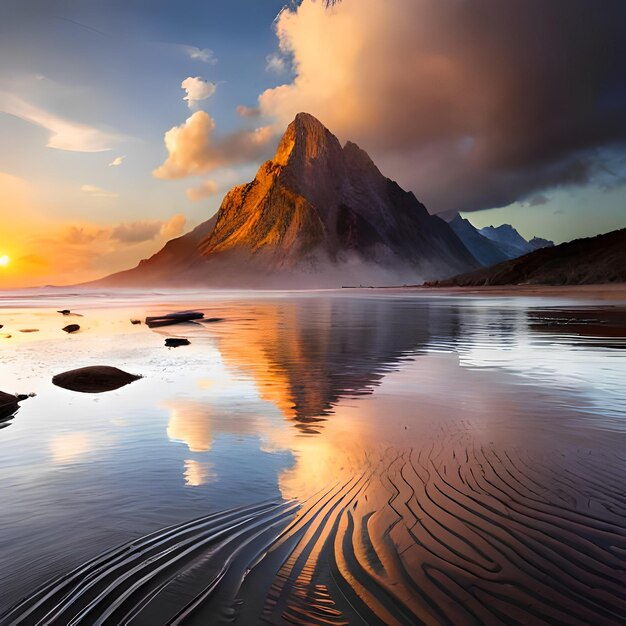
(4, 260)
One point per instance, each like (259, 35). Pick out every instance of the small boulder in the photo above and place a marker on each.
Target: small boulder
(94, 379)
(71, 328)
(174, 342)
(8, 405)
(64, 312)
(135, 322)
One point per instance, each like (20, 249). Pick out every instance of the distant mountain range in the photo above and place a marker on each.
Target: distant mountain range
(317, 214)
(593, 260)
(494, 244)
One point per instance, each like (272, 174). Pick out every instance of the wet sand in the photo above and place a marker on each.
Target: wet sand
(453, 463)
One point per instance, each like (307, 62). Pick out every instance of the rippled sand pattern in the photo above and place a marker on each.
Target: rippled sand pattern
(452, 533)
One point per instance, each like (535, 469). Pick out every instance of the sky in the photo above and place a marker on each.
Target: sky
(124, 123)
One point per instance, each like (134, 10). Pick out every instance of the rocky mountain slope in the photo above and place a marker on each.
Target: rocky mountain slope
(594, 260)
(486, 251)
(510, 242)
(317, 214)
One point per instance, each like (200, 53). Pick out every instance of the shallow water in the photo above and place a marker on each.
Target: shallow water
(362, 457)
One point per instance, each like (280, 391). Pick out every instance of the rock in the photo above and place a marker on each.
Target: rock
(8, 405)
(71, 328)
(64, 312)
(174, 342)
(173, 318)
(1, 326)
(135, 322)
(94, 379)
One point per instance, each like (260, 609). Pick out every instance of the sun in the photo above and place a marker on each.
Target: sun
(4, 260)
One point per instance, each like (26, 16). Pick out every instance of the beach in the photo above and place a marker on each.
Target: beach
(378, 456)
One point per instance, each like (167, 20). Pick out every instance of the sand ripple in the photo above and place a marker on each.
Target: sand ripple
(456, 532)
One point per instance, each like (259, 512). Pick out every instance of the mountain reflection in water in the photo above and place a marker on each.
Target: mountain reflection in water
(325, 459)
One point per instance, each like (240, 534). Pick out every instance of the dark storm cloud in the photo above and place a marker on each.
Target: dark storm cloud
(472, 103)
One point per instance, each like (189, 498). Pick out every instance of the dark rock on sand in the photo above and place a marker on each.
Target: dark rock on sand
(174, 342)
(135, 322)
(173, 318)
(71, 328)
(64, 312)
(94, 379)
(8, 405)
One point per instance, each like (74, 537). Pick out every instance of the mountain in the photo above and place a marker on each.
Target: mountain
(317, 214)
(486, 251)
(594, 260)
(511, 242)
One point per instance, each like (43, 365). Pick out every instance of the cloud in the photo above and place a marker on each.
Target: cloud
(197, 89)
(275, 63)
(473, 104)
(97, 192)
(147, 230)
(244, 111)
(205, 189)
(63, 134)
(174, 227)
(134, 232)
(206, 55)
(117, 161)
(538, 200)
(194, 149)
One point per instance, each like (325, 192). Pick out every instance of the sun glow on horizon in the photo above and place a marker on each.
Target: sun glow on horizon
(4, 260)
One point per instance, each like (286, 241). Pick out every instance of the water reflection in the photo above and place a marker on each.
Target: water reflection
(304, 356)
(70, 448)
(197, 473)
(378, 445)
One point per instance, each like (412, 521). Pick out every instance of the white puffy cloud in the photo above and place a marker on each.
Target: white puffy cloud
(206, 55)
(205, 189)
(193, 147)
(63, 134)
(197, 89)
(117, 161)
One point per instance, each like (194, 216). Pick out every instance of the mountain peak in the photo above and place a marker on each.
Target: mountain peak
(321, 213)
(305, 139)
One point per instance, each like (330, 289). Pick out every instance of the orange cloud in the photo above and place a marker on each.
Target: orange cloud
(205, 189)
(193, 148)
